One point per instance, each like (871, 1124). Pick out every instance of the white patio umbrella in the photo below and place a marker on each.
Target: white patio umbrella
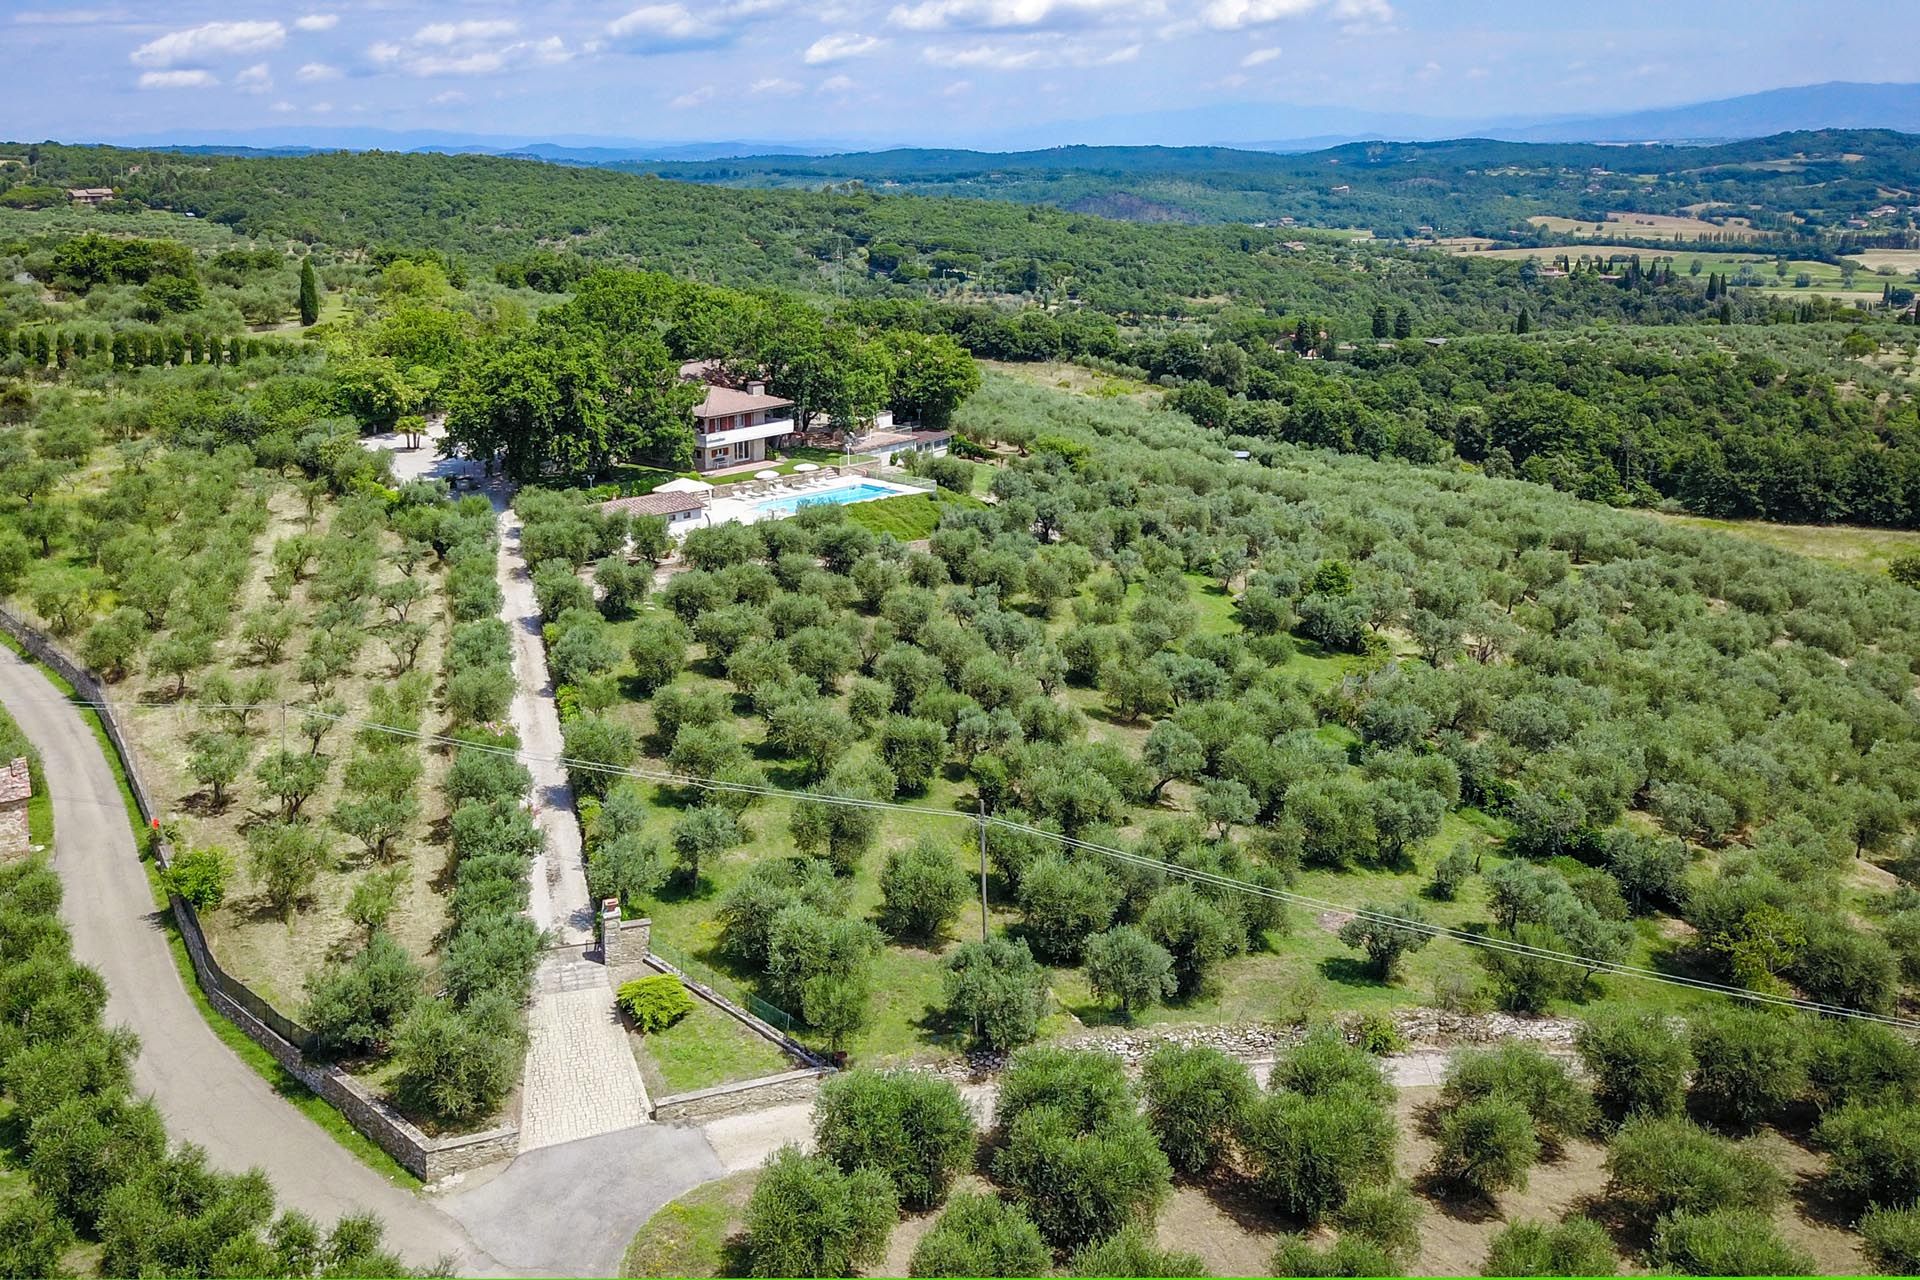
(766, 475)
(807, 466)
(684, 486)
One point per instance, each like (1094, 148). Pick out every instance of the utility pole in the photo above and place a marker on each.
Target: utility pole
(983, 870)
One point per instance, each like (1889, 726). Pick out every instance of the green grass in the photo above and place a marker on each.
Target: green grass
(704, 1049)
(284, 1082)
(688, 1237)
(1851, 545)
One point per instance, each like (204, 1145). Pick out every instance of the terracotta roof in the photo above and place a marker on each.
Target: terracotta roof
(654, 504)
(16, 784)
(723, 402)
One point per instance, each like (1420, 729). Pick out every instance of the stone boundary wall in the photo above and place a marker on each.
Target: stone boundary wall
(702, 1105)
(425, 1157)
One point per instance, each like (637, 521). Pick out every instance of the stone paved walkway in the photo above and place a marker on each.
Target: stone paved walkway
(581, 1079)
(559, 901)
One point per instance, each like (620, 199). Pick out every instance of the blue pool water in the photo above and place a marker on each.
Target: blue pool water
(834, 497)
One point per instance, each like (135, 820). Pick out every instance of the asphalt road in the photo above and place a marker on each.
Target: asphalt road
(207, 1094)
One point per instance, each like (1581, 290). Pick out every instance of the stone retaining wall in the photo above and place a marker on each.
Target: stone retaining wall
(425, 1157)
(702, 1105)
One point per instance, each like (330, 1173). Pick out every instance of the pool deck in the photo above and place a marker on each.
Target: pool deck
(747, 508)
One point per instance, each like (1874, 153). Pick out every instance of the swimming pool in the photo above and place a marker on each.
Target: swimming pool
(862, 492)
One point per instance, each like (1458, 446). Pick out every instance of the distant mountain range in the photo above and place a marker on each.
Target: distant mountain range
(1255, 126)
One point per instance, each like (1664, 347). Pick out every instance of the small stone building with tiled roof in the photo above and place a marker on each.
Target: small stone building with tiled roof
(676, 507)
(16, 789)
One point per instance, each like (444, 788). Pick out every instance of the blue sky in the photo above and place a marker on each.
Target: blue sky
(911, 71)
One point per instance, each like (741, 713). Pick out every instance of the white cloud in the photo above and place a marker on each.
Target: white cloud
(177, 80)
(840, 46)
(777, 85)
(663, 27)
(255, 79)
(838, 84)
(990, 56)
(1260, 56)
(317, 22)
(314, 72)
(321, 108)
(1017, 15)
(1038, 51)
(283, 106)
(464, 49)
(692, 98)
(1232, 15)
(956, 88)
(447, 99)
(451, 33)
(210, 40)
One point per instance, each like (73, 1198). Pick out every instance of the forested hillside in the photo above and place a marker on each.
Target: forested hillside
(1791, 187)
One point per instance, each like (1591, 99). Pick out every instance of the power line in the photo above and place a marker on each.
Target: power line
(1125, 857)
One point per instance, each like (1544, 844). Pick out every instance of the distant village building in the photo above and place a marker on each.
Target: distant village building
(89, 195)
(16, 789)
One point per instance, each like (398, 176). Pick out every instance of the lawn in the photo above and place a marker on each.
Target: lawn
(689, 1236)
(708, 1047)
(1852, 545)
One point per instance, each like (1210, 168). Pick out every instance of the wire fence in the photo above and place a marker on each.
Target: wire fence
(730, 988)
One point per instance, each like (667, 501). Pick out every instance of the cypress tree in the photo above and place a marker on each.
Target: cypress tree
(309, 293)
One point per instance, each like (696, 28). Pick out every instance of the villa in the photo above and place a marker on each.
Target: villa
(731, 427)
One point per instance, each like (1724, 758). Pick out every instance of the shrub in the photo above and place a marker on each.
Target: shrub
(1196, 1097)
(913, 748)
(354, 1007)
(1873, 1153)
(458, 1064)
(1347, 1256)
(1854, 1061)
(1659, 1165)
(1081, 1183)
(1377, 1033)
(922, 889)
(997, 986)
(1324, 1063)
(1385, 935)
(200, 876)
(807, 1218)
(1572, 1247)
(1892, 1240)
(1451, 872)
(1726, 1242)
(979, 1234)
(655, 1003)
(1748, 1064)
(496, 951)
(1486, 1146)
(1064, 900)
(597, 750)
(1131, 1251)
(1089, 1087)
(1309, 1152)
(1559, 1106)
(1126, 966)
(1193, 930)
(1639, 1062)
(912, 1127)
(1387, 1215)
(33, 1237)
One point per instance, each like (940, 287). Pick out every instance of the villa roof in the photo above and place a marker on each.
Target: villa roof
(654, 504)
(722, 402)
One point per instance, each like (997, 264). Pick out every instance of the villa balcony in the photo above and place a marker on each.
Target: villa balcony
(738, 435)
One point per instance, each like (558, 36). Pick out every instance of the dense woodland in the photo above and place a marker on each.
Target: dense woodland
(1792, 187)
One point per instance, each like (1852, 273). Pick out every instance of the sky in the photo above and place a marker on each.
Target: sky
(952, 72)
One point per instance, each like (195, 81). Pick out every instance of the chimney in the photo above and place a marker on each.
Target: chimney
(756, 388)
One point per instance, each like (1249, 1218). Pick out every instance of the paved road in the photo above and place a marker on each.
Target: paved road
(206, 1093)
(571, 1210)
